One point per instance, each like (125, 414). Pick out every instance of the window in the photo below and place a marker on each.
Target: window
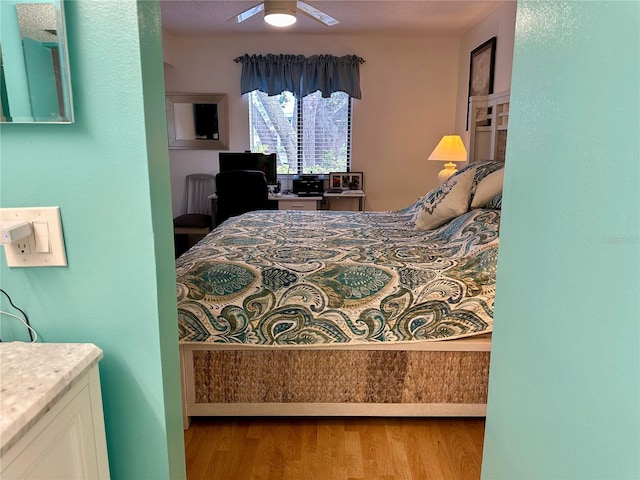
(312, 135)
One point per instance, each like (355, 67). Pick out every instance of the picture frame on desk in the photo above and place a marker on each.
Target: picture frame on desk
(346, 180)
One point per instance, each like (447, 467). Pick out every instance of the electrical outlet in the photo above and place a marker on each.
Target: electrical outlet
(21, 247)
(45, 246)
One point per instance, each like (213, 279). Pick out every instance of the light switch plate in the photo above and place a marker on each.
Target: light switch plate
(24, 252)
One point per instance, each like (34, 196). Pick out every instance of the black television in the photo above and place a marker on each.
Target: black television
(265, 162)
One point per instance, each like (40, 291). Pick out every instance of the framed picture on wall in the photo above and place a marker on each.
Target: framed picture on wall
(346, 180)
(481, 70)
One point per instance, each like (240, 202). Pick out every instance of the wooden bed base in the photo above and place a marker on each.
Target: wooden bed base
(447, 378)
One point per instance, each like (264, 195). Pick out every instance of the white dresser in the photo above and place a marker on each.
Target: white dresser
(51, 419)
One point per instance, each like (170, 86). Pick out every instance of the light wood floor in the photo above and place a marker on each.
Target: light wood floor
(334, 448)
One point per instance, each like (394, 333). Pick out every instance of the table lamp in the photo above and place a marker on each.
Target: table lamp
(450, 150)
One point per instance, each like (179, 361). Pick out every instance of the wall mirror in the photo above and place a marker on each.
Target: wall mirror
(197, 122)
(35, 81)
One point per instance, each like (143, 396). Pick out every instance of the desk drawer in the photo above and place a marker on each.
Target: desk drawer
(297, 204)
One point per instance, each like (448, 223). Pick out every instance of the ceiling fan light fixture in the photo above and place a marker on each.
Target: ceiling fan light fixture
(280, 14)
(280, 19)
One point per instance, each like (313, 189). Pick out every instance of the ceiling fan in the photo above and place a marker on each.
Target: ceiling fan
(283, 13)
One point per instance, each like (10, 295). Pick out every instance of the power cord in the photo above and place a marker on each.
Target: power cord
(26, 322)
(32, 333)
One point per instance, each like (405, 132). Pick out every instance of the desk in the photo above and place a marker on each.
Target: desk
(283, 202)
(348, 194)
(294, 202)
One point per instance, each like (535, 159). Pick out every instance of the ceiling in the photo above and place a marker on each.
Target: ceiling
(213, 17)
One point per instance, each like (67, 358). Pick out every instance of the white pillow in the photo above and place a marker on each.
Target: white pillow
(489, 187)
(449, 200)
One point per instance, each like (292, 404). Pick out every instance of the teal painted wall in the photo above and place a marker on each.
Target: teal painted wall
(564, 390)
(109, 173)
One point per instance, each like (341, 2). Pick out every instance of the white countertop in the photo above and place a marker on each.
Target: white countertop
(33, 376)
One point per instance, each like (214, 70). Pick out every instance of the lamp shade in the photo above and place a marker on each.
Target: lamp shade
(280, 13)
(450, 149)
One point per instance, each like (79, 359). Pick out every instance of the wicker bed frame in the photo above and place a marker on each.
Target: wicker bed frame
(447, 378)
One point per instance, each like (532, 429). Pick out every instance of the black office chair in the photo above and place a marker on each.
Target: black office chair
(240, 191)
(197, 220)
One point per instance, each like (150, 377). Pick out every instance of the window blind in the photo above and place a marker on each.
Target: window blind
(311, 135)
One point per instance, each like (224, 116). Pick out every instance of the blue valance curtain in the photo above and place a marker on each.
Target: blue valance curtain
(273, 74)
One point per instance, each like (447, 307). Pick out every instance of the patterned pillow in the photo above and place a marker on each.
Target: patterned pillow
(487, 188)
(443, 203)
(496, 202)
(482, 169)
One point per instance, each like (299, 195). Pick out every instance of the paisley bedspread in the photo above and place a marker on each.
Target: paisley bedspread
(305, 278)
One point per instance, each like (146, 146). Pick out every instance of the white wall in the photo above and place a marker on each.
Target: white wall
(409, 96)
(168, 50)
(500, 23)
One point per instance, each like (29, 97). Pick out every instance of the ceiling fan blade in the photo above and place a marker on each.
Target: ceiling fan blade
(250, 12)
(317, 14)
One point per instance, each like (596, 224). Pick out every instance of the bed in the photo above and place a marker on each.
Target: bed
(340, 313)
